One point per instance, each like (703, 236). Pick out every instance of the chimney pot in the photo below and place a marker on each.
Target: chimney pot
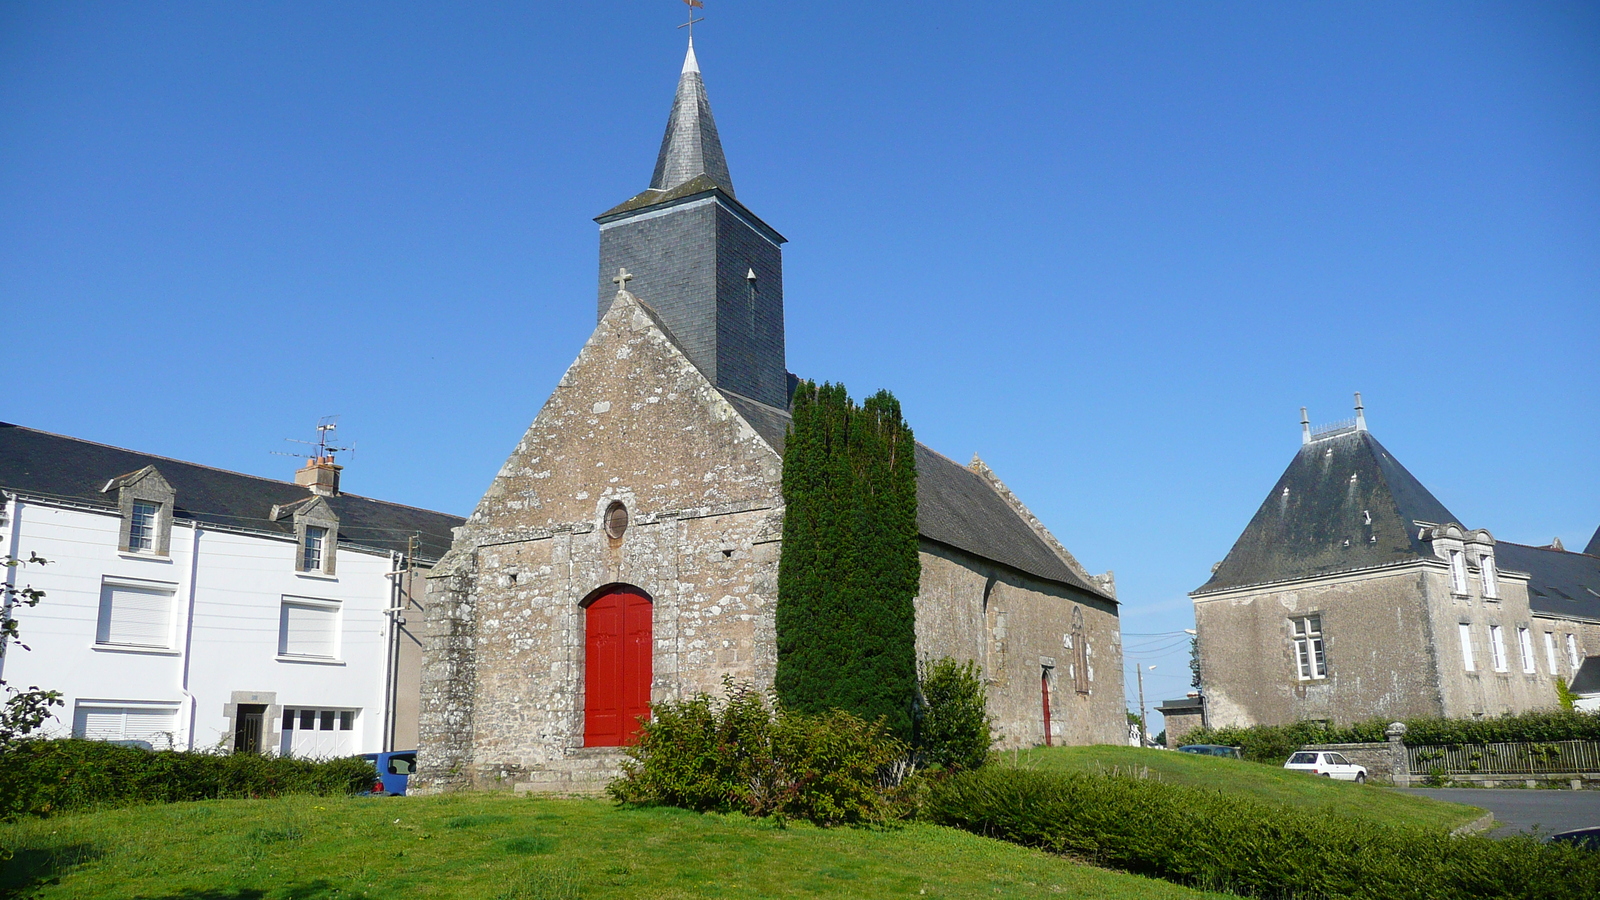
(320, 475)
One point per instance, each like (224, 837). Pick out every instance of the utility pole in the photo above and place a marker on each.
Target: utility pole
(1144, 724)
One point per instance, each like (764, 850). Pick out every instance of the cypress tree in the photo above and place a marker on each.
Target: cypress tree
(849, 569)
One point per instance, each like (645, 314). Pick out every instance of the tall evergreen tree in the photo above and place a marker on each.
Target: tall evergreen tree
(849, 569)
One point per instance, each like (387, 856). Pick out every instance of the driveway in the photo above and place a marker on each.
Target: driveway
(1520, 811)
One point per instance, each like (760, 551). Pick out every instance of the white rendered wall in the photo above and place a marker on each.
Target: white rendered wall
(237, 584)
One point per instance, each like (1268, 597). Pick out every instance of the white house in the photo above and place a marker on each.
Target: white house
(195, 608)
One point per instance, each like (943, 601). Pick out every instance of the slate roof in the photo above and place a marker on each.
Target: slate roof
(1560, 583)
(690, 145)
(955, 507)
(1593, 549)
(1343, 504)
(55, 467)
(1587, 679)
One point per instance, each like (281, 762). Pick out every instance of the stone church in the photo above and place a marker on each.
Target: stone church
(1355, 594)
(627, 551)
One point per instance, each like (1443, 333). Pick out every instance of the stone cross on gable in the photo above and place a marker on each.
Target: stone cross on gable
(621, 281)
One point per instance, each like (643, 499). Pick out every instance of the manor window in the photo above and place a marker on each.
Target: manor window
(1308, 650)
(1497, 648)
(1525, 644)
(142, 526)
(1458, 573)
(1466, 648)
(1491, 586)
(1550, 651)
(311, 548)
(1572, 652)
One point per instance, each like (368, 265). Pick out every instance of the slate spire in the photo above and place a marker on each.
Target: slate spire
(690, 147)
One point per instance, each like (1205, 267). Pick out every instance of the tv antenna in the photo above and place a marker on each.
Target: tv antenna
(325, 442)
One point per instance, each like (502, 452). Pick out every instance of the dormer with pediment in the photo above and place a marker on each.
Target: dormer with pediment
(316, 533)
(144, 500)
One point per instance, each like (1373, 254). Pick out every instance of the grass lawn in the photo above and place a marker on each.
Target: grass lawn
(1260, 782)
(498, 847)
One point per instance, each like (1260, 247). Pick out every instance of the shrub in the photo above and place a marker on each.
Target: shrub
(41, 777)
(1215, 841)
(1274, 743)
(954, 729)
(737, 755)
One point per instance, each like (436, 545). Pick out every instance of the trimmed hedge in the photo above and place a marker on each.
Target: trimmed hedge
(1214, 841)
(43, 777)
(1274, 743)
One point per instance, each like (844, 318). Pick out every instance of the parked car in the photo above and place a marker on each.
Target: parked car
(1328, 764)
(1212, 750)
(394, 770)
(1587, 838)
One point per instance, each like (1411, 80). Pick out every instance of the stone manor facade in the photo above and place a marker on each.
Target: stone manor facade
(627, 551)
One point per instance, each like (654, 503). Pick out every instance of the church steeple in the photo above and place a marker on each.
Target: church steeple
(710, 268)
(691, 147)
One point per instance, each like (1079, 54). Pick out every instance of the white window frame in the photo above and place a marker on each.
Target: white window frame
(82, 708)
(1466, 648)
(1572, 651)
(144, 523)
(1458, 573)
(1310, 651)
(314, 548)
(1550, 652)
(1497, 648)
(1490, 577)
(332, 607)
(1525, 646)
(106, 618)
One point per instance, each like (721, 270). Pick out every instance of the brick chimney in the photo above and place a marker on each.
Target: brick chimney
(321, 475)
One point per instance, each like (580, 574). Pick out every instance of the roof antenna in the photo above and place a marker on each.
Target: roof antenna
(1305, 427)
(324, 443)
(1361, 414)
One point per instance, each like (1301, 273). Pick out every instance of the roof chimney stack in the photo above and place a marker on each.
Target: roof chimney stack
(1361, 414)
(1305, 427)
(321, 475)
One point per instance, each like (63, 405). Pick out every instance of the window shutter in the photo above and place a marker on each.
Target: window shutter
(136, 617)
(309, 630)
(153, 725)
(100, 724)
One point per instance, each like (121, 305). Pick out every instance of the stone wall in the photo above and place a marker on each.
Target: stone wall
(1382, 759)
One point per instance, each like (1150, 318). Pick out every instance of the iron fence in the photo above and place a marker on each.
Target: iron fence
(1533, 758)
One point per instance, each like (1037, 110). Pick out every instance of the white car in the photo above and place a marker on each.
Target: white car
(1327, 764)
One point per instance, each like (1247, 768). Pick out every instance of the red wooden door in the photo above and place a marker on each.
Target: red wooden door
(617, 668)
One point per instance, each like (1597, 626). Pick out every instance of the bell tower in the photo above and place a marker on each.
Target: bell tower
(709, 267)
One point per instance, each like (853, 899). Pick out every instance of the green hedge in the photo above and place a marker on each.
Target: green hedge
(1215, 841)
(42, 777)
(1274, 743)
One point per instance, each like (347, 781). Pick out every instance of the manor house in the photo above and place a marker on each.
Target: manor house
(627, 551)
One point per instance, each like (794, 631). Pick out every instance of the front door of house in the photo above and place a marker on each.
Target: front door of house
(617, 667)
(248, 727)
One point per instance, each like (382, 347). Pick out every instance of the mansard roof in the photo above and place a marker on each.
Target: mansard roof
(956, 507)
(54, 467)
(1587, 679)
(1343, 504)
(1560, 583)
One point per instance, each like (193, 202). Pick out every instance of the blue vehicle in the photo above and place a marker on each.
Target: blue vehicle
(394, 771)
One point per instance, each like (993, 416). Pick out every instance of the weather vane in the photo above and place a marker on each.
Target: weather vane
(693, 5)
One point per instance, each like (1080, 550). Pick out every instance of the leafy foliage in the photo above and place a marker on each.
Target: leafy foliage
(1274, 743)
(738, 755)
(850, 567)
(1223, 842)
(22, 712)
(43, 777)
(1565, 696)
(954, 730)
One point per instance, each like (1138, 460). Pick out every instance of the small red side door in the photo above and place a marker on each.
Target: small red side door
(617, 668)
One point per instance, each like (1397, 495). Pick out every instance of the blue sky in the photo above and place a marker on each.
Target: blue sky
(1112, 248)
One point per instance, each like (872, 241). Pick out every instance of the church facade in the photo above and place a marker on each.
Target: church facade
(627, 551)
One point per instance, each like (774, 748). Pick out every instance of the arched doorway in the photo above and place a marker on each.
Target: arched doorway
(617, 665)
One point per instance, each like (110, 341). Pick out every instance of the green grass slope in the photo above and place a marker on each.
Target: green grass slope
(497, 847)
(1268, 783)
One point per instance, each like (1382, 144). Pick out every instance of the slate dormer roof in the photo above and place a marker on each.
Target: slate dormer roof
(1344, 504)
(1559, 583)
(54, 467)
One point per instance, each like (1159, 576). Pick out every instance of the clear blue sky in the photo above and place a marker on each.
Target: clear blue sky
(1111, 247)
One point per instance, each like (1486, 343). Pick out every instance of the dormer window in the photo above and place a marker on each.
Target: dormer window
(311, 548)
(1491, 579)
(1458, 573)
(142, 522)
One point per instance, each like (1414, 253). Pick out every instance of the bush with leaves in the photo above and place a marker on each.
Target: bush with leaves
(954, 730)
(738, 755)
(1274, 743)
(22, 712)
(44, 777)
(1224, 842)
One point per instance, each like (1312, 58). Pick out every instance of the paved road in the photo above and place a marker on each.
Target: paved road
(1522, 810)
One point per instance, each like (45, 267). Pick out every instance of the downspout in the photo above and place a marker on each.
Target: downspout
(14, 520)
(391, 651)
(188, 632)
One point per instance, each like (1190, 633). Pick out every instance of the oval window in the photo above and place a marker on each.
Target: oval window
(616, 520)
